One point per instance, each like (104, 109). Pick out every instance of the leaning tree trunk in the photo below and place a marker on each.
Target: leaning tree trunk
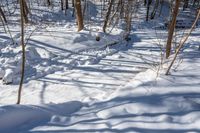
(3, 15)
(155, 9)
(161, 7)
(23, 52)
(79, 15)
(171, 28)
(107, 15)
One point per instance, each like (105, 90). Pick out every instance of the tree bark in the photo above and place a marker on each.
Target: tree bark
(145, 2)
(182, 42)
(107, 15)
(23, 52)
(66, 4)
(48, 2)
(128, 19)
(25, 11)
(79, 15)
(62, 5)
(148, 8)
(171, 28)
(155, 9)
(3, 15)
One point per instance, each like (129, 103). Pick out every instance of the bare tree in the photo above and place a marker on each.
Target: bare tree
(25, 11)
(79, 15)
(171, 28)
(107, 15)
(128, 18)
(148, 8)
(23, 52)
(62, 5)
(182, 42)
(3, 15)
(155, 9)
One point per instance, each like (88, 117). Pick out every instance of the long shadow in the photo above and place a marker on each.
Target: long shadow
(5, 37)
(134, 129)
(45, 45)
(91, 69)
(153, 100)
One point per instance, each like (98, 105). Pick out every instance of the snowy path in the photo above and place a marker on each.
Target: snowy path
(75, 84)
(103, 90)
(91, 74)
(144, 105)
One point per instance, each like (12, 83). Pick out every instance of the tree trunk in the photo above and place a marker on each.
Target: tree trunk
(148, 8)
(145, 2)
(73, 3)
(128, 19)
(171, 28)
(66, 4)
(182, 42)
(3, 15)
(25, 11)
(79, 15)
(62, 5)
(161, 7)
(48, 2)
(185, 5)
(107, 15)
(23, 52)
(155, 9)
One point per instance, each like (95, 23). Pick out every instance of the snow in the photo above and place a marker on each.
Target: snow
(74, 83)
(13, 116)
(8, 76)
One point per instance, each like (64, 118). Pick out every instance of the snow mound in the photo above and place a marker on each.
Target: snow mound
(8, 77)
(32, 53)
(20, 117)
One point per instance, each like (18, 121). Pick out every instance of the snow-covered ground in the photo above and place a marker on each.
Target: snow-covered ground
(75, 84)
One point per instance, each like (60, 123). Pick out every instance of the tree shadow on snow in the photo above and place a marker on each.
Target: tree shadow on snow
(84, 118)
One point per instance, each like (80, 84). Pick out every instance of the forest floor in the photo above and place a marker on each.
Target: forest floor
(75, 84)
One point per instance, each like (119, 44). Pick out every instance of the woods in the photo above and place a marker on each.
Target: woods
(99, 66)
(112, 12)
